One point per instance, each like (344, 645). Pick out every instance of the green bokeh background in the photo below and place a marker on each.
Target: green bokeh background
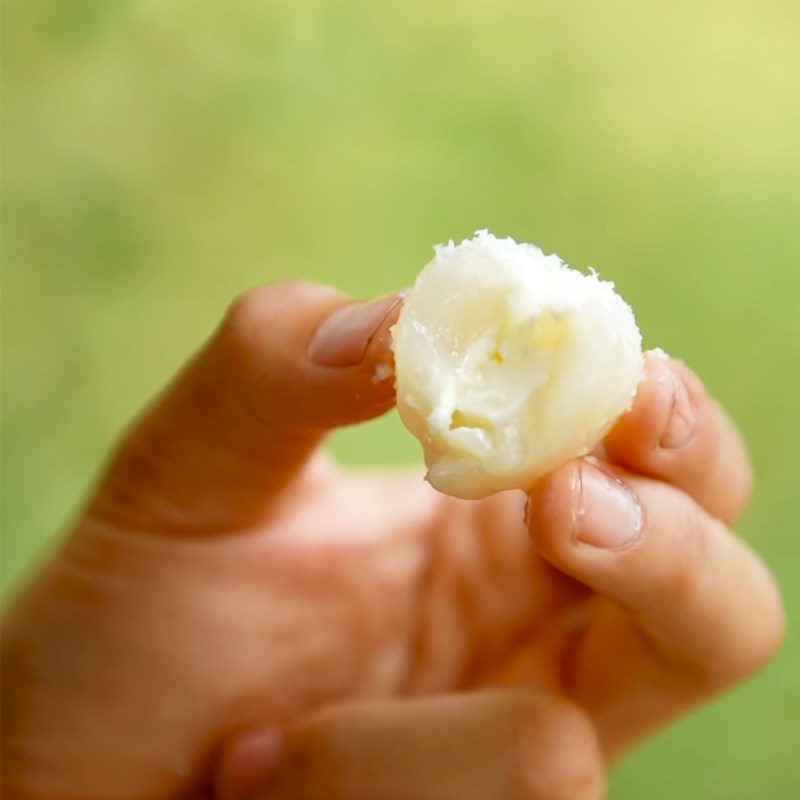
(158, 157)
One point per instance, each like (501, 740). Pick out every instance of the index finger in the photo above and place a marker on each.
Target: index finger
(677, 433)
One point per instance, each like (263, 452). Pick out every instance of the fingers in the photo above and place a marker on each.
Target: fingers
(290, 361)
(515, 745)
(677, 433)
(705, 602)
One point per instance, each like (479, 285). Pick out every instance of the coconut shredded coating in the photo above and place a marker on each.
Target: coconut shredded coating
(509, 363)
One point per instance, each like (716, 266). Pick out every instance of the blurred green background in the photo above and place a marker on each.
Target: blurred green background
(158, 157)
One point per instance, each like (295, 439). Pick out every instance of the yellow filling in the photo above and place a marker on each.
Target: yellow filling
(464, 419)
(548, 330)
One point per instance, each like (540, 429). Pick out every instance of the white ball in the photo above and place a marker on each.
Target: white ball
(508, 363)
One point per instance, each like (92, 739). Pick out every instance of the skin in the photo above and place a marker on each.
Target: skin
(233, 616)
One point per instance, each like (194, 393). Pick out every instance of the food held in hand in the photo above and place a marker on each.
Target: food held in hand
(509, 363)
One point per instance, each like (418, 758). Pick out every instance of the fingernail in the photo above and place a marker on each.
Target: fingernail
(342, 340)
(680, 424)
(250, 768)
(606, 512)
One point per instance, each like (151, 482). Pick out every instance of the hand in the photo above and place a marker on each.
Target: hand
(232, 614)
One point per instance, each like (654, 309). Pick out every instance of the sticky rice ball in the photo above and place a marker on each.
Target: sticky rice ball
(509, 363)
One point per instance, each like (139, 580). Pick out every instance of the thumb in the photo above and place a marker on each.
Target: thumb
(290, 361)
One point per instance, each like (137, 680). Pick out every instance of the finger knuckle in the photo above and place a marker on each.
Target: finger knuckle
(734, 490)
(749, 628)
(772, 634)
(558, 754)
(757, 646)
(685, 572)
(768, 644)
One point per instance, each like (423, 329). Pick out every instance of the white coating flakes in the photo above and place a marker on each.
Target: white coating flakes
(509, 363)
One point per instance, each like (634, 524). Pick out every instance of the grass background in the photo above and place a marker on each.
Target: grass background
(159, 157)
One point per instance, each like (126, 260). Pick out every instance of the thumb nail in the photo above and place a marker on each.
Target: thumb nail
(343, 338)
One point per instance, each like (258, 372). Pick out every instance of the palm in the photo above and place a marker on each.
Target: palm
(417, 593)
(375, 585)
(361, 585)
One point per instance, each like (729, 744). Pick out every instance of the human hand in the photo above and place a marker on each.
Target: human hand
(232, 614)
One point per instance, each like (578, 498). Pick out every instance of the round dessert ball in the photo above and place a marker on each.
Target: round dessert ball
(509, 363)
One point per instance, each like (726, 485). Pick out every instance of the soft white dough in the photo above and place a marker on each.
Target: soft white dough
(509, 363)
